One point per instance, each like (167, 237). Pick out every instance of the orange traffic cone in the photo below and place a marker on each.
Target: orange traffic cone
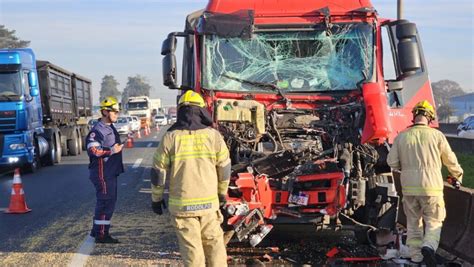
(146, 131)
(17, 200)
(139, 135)
(130, 141)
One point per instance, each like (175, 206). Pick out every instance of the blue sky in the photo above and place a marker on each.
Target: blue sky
(123, 37)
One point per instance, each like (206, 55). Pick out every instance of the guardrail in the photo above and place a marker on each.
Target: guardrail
(461, 145)
(457, 235)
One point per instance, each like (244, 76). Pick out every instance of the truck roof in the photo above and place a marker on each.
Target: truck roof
(23, 56)
(287, 7)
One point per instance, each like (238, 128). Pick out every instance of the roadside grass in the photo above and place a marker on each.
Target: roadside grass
(467, 164)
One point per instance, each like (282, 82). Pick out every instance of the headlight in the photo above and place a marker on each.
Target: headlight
(17, 146)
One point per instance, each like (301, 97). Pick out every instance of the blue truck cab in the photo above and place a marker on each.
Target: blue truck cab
(21, 127)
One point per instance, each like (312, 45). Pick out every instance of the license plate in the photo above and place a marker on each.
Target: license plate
(300, 199)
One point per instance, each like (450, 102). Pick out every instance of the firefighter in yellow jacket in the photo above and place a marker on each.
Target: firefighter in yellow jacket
(419, 152)
(195, 159)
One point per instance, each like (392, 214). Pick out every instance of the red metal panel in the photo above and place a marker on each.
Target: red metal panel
(286, 7)
(320, 176)
(377, 124)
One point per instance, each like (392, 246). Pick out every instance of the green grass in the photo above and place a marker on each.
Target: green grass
(467, 164)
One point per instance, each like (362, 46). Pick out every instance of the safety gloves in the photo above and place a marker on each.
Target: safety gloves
(158, 206)
(454, 182)
(222, 201)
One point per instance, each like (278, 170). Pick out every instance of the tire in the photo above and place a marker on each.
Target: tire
(36, 164)
(73, 144)
(79, 140)
(50, 158)
(64, 146)
(59, 153)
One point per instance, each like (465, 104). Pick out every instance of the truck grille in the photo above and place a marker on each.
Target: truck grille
(7, 121)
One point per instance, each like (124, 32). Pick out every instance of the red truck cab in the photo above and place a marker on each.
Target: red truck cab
(297, 89)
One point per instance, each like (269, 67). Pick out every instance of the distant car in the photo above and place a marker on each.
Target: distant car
(122, 125)
(172, 119)
(161, 120)
(467, 130)
(135, 123)
(465, 123)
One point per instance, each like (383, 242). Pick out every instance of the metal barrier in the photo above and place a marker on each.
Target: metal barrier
(457, 235)
(461, 145)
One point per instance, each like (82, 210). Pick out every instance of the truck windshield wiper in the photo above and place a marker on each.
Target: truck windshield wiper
(270, 86)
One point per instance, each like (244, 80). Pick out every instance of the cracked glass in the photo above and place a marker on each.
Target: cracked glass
(337, 58)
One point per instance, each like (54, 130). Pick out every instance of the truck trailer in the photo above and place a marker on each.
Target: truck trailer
(44, 110)
(299, 90)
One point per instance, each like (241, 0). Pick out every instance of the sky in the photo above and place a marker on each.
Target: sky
(123, 37)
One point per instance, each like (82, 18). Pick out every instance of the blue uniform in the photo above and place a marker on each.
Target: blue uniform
(104, 167)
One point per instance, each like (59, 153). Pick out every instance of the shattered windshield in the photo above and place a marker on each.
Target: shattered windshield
(303, 61)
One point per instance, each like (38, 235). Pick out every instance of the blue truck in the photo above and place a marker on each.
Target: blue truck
(43, 111)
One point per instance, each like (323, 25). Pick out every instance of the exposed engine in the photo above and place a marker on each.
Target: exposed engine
(301, 165)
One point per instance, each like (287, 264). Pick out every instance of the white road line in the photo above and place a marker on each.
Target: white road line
(149, 145)
(80, 258)
(137, 163)
(156, 136)
(146, 180)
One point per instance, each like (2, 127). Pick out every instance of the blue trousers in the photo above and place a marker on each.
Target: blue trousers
(106, 194)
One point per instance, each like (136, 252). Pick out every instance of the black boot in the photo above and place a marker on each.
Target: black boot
(107, 240)
(429, 256)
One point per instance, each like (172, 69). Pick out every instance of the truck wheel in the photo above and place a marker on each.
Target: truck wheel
(79, 142)
(73, 144)
(35, 165)
(63, 141)
(58, 148)
(50, 158)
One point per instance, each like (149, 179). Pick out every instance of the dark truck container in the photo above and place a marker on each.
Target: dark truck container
(66, 102)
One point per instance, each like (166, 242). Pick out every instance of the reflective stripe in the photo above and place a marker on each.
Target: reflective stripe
(92, 144)
(193, 155)
(417, 189)
(191, 201)
(222, 155)
(102, 222)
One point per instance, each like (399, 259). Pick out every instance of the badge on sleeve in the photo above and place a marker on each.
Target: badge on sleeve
(92, 136)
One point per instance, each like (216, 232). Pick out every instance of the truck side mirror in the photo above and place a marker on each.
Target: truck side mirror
(408, 50)
(33, 82)
(169, 45)
(169, 71)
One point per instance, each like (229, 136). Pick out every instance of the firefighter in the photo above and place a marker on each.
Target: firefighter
(419, 152)
(196, 160)
(105, 156)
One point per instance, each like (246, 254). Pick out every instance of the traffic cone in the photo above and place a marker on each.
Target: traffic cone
(17, 200)
(157, 128)
(146, 131)
(139, 135)
(130, 141)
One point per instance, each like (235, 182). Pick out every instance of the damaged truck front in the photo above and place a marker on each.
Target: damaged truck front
(297, 89)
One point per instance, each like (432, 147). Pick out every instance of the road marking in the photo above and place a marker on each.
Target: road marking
(145, 190)
(156, 136)
(80, 258)
(137, 163)
(149, 145)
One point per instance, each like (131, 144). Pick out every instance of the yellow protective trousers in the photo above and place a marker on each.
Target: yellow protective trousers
(201, 239)
(427, 210)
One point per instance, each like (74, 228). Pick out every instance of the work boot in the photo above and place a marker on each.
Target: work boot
(106, 240)
(429, 256)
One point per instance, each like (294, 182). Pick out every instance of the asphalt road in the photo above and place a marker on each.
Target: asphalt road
(62, 200)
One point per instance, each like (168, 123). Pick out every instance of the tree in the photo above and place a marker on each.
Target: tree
(445, 89)
(136, 86)
(9, 40)
(108, 87)
(444, 112)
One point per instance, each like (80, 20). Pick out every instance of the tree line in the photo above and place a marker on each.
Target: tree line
(138, 85)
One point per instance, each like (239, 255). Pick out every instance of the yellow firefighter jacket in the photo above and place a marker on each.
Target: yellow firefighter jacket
(197, 164)
(418, 153)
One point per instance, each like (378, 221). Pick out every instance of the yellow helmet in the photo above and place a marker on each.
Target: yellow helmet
(110, 103)
(191, 98)
(424, 108)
